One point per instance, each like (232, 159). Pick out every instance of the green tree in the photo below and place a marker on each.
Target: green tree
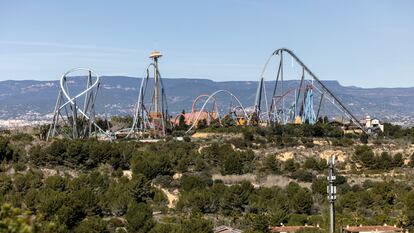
(189, 182)
(69, 215)
(55, 182)
(409, 207)
(271, 164)
(319, 186)
(139, 218)
(302, 201)
(364, 138)
(140, 188)
(290, 165)
(12, 220)
(202, 124)
(92, 225)
(298, 219)
(117, 197)
(6, 151)
(231, 164)
(181, 121)
(86, 201)
(311, 163)
(365, 155)
(151, 164)
(196, 224)
(258, 222)
(398, 160)
(384, 161)
(166, 228)
(236, 198)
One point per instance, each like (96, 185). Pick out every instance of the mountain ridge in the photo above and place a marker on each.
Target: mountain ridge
(22, 98)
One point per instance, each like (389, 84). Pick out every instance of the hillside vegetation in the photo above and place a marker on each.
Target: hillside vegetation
(247, 178)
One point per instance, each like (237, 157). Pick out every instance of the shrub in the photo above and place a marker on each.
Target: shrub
(303, 175)
(139, 218)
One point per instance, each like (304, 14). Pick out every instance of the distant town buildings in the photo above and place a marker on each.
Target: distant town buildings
(21, 123)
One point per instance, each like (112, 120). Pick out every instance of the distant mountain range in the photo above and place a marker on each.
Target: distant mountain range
(31, 99)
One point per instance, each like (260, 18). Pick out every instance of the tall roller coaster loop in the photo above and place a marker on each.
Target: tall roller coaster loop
(74, 116)
(277, 112)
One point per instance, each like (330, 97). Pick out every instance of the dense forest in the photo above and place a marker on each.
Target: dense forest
(124, 186)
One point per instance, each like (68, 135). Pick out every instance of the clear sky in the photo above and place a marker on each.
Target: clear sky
(368, 43)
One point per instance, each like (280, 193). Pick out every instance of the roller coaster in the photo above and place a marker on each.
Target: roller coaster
(74, 116)
(207, 116)
(150, 118)
(295, 104)
(211, 97)
(289, 103)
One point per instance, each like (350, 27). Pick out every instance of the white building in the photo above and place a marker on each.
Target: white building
(372, 124)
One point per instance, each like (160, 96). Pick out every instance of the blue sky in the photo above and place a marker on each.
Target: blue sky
(362, 43)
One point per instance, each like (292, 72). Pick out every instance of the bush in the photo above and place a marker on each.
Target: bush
(6, 150)
(290, 165)
(365, 155)
(398, 160)
(319, 186)
(271, 164)
(140, 188)
(189, 182)
(196, 224)
(92, 225)
(345, 142)
(237, 162)
(302, 175)
(151, 164)
(139, 218)
(298, 220)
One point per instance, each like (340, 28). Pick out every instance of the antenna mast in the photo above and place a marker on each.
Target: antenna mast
(331, 193)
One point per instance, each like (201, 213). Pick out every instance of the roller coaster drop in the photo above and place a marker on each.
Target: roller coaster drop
(301, 97)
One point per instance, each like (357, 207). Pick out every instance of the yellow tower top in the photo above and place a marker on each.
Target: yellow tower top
(155, 54)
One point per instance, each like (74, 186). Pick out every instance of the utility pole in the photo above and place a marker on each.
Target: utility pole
(331, 193)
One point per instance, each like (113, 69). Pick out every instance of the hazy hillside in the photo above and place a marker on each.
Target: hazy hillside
(37, 98)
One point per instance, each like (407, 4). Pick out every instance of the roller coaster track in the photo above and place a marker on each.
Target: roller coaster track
(66, 113)
(211, 97)
(325, 92)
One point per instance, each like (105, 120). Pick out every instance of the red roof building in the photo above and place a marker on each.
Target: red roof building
(373, 229)
(286, 229)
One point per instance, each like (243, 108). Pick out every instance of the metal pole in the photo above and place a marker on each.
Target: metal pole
(331, 193)
(74, 120)
(156, 86)
(281, 92)
(55, 121)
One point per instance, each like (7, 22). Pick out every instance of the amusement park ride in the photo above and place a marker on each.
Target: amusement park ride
(74, 116)
(295, 104)
(151, 110)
